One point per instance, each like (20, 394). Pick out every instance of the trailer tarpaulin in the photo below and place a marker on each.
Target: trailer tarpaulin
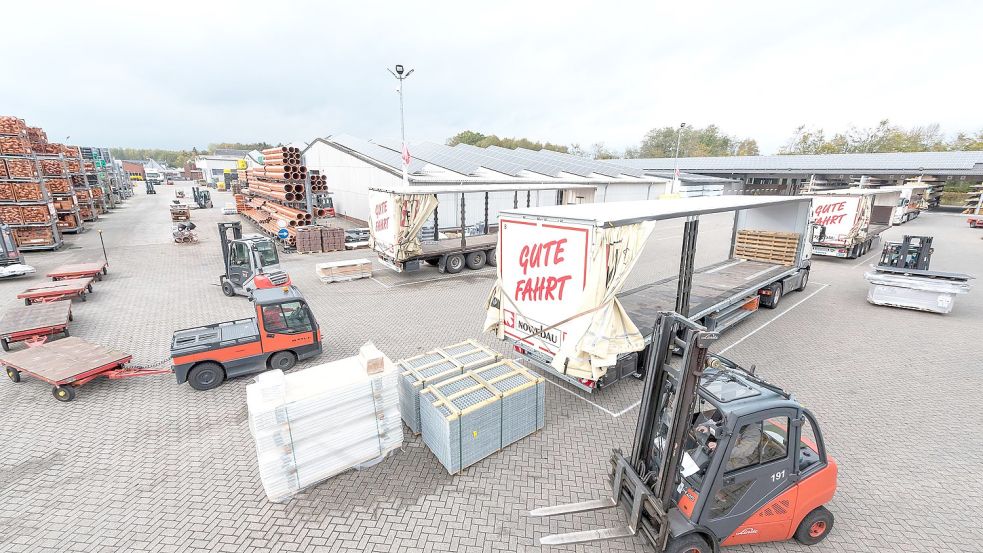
(584, 327)
(395, 221)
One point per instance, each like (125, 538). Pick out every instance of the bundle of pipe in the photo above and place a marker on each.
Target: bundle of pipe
(284, 155)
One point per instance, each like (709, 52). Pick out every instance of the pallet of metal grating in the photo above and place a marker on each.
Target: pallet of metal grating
(421, 371)
(523, 398)
(461, 420)
(313, 424)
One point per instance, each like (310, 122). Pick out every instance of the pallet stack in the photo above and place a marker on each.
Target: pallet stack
(56, 162)
(88, 207)
(767, 246)
(27, 204)
(340, 271)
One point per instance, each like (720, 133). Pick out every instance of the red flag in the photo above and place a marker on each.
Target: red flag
(677, 172)
(406, 155)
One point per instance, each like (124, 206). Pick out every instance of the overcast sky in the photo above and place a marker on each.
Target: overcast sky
(175, 74)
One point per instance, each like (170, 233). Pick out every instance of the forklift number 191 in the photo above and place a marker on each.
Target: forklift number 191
(778, 476)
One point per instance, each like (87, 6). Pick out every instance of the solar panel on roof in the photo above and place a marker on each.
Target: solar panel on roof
(376, 152)
(599, 167)
(530, 164)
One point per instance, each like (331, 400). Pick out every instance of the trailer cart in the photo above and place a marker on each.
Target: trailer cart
(91, 269)
(70, 363)
(58, 290)
(27, 322)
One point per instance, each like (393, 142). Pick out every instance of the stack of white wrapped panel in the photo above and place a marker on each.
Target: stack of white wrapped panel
(312, 424)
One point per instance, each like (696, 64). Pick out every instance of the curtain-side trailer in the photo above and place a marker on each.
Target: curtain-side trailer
(559, 298)
(454, 226)
(846, 223)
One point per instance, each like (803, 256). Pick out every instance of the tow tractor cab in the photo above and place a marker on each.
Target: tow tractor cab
(251, 262)
(720, 457)
(283, 331)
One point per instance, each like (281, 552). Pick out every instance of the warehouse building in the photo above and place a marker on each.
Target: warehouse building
(353, 166)
(791, 174)
(213, 165)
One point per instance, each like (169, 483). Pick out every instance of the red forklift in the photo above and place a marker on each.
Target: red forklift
(283, 332)
(720, 456)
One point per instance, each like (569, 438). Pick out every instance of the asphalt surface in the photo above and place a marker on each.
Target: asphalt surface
(144, 464)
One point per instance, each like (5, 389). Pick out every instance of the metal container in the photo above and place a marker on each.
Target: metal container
(417, 373)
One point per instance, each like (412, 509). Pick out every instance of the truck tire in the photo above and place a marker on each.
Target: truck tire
(804, 281)
(283, 360)
(492, 257)
(206, 376)
(771, 302)
(690, 543)
(815, 526)
(476, 260)
(228, 289)
(454, 263)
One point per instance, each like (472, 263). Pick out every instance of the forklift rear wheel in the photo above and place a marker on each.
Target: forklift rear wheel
(492, 256)
(228, 289)
(63, 393)
(283, 360)
(476, 260)
(12, 373)
(815, 526)
(690, 543)
(454, 263)
(206, 376)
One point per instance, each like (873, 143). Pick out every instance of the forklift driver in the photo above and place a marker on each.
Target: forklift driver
(702, 441)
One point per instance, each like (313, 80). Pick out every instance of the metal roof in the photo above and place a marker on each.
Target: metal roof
(230, 152)
(457, 188)
(951, 163)
(614, 214)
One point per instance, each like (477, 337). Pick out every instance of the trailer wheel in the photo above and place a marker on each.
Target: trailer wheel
(454, 263)
(105, 271)
(476, 260)
(5, 345)
(690, 543)
(283, 360)
(63, 393)
(206, 376)
(492, 257)
(27, 301)
(815, 526)
(228, 289)
(89, 287)
(71, 317)
(12, 373)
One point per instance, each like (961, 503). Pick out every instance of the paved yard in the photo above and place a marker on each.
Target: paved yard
(146, 465)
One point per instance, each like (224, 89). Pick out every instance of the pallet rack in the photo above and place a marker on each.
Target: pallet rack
(42, 199)
(88, 208)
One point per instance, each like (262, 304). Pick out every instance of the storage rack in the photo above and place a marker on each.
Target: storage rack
(65, 204)
(44, 201)
(88, 207)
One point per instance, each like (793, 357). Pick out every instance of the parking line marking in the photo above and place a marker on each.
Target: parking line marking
(755, 331)
(576, 395)
(866, 260)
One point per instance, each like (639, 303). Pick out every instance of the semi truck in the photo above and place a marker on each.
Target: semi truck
(911, 202)
(453, 226)
(560, 299)
(846, 223)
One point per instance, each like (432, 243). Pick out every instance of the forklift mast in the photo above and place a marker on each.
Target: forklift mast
(646, 481)
(913, 252)
(223, 233)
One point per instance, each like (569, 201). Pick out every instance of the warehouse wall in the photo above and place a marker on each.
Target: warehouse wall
(449, 208)
(349, 179)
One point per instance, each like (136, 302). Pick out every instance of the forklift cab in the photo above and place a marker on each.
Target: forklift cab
(720, 457)
(251, 262)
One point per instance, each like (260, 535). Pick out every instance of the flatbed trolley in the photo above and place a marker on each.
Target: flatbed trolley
(92, 269)
(69, 364)
(28, 322)
(58, 290)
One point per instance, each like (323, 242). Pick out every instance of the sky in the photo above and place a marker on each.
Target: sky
(180, 74)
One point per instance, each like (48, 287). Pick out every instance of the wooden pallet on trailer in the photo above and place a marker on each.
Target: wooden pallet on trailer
(769, 246)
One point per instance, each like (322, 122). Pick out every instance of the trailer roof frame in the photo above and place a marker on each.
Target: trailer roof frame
(616, 214)
(478, 188)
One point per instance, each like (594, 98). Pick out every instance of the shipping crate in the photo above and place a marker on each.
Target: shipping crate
(421, 371)
(6, 192)
(461, 421)
(767, 246)
(339, 271)
(27, 191)
(12, 125)
(21, 168)
(523, 398)
(52, 168)
(14, 145)
(35, 214)
(58, 186)
(10, 214)
(34, 236)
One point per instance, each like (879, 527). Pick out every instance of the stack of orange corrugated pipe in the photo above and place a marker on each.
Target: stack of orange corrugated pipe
(319, 184)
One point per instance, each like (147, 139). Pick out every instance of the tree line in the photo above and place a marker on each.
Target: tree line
(711, 141)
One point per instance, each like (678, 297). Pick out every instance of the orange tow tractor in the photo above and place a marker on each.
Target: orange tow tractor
(283, 332)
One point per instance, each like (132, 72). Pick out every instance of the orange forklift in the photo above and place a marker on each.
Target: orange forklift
(720, 456)
(283, 332)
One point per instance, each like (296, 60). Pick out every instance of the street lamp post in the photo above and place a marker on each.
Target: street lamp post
(675, 163)
(400, 76)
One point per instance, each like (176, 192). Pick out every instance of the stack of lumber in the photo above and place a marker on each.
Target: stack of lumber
(469, 417)
(767, 246)
(313, 424)
(332, 239)
(338, 271)
(424, 370)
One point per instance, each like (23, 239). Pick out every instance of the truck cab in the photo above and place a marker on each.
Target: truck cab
(251, 262)
(282, 332)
